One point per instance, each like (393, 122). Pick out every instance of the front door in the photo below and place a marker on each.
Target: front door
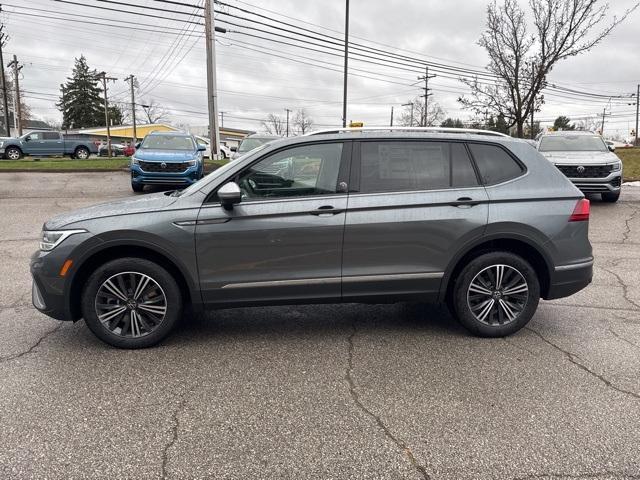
(284, 240)
(413, 205)
(45, 143)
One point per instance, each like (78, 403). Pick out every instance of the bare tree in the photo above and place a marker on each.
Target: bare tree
(274, 125)
(155, 112)
(415, 107)
(302, 122)
(589, 124)
(522, 61)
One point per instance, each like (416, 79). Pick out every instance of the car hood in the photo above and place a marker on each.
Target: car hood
(165, 155)
(581, 158)
(142, 204)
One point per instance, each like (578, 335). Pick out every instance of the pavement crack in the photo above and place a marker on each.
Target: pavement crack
(356, 399)
(31, 348)
(175, 418)
(625, 288)
(577, 361)
(621, 338)
(628, 220)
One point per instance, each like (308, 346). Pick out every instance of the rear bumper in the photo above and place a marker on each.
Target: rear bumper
(569, 279)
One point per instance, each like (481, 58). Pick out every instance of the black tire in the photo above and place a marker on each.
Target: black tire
(118, 332)
(13, 153)
(610, 197)
(82, 153)
(137, 187)
(516, 272)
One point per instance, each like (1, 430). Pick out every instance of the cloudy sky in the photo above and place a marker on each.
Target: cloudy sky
(257, 77)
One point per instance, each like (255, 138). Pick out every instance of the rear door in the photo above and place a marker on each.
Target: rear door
(284, 240)
(412, 205)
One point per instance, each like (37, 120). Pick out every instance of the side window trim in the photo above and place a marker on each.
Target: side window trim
(345, 162)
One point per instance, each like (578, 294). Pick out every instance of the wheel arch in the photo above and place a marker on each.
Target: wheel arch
(513, 243)
(17, 147)
(110, 252)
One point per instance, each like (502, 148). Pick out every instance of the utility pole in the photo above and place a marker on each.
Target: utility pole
(132, 79)
(426, 94)
(533, 99)
(18, 108)
(391, 123)
(212, 87)
(346, 65)
(637, 113)
(410, 104)
(288, 111)
(104, 78)
(5, 100)
(604, 110)
(64, 105)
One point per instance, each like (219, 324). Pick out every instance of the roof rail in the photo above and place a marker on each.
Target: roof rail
(473, 131)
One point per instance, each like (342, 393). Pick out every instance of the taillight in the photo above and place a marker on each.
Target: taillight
(581, 212)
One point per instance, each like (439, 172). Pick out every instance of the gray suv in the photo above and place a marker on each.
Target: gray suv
(586, 160)
(477, 221)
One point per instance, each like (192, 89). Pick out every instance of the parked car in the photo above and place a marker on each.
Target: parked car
(479, 221)
(224, 150)
(586, 160)
(252, 141)
(129, 150)
(45, 144)
(166, 158)
(117, 150)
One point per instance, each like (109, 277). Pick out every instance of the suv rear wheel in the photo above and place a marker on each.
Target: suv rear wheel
(496, 294)
(131, 303)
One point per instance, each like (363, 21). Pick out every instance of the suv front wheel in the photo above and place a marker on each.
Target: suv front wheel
(496, 294)
(131, 303)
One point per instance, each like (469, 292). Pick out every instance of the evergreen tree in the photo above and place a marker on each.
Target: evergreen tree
(452, 123)
(501, 125)
(116, 115)
(81, 104)
(563, 123)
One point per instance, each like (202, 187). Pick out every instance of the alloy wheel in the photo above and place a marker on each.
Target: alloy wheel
(82, 154)
(13, 154)
(497, 295)
(130, 304)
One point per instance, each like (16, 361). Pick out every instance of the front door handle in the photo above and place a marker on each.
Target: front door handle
(325, 211)
(464, 202)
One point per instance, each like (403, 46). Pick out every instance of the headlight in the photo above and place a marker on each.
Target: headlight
(1, 144)
(52, 238)
(616, 166)
(193, 162)
(134, 160)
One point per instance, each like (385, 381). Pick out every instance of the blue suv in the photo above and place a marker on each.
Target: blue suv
(166, 158)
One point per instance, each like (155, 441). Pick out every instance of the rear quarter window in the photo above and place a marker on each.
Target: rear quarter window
(494, 164)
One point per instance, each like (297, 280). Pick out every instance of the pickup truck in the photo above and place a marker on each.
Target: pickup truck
(45, 144)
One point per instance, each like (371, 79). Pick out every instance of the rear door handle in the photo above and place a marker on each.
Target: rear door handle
(325, 211)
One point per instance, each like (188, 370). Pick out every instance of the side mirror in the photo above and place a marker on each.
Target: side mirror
(229, 195)
(138, 145)
(27, 138)
(233, 149)
(201, 147)
(612, 148)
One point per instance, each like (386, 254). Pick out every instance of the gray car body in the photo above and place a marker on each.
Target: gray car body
(371, 248)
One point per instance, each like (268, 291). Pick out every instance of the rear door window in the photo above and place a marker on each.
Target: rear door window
(494, 163)
(51, 136)
(404, 166)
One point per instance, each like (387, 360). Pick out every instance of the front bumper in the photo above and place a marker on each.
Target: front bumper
(611, 183)
(189, 176)
(569, 279)
(47, 291)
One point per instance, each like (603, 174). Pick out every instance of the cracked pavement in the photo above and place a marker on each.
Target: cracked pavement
(332, 391)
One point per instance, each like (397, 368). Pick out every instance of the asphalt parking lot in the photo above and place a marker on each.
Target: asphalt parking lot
(338, 391)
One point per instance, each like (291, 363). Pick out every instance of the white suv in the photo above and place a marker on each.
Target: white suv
(586, 160)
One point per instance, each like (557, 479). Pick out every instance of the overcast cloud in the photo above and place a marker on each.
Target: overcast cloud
(254, 84)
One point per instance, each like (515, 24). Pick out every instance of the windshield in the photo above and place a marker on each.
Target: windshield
(572, 143)
(251, 143)
(167, 142)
